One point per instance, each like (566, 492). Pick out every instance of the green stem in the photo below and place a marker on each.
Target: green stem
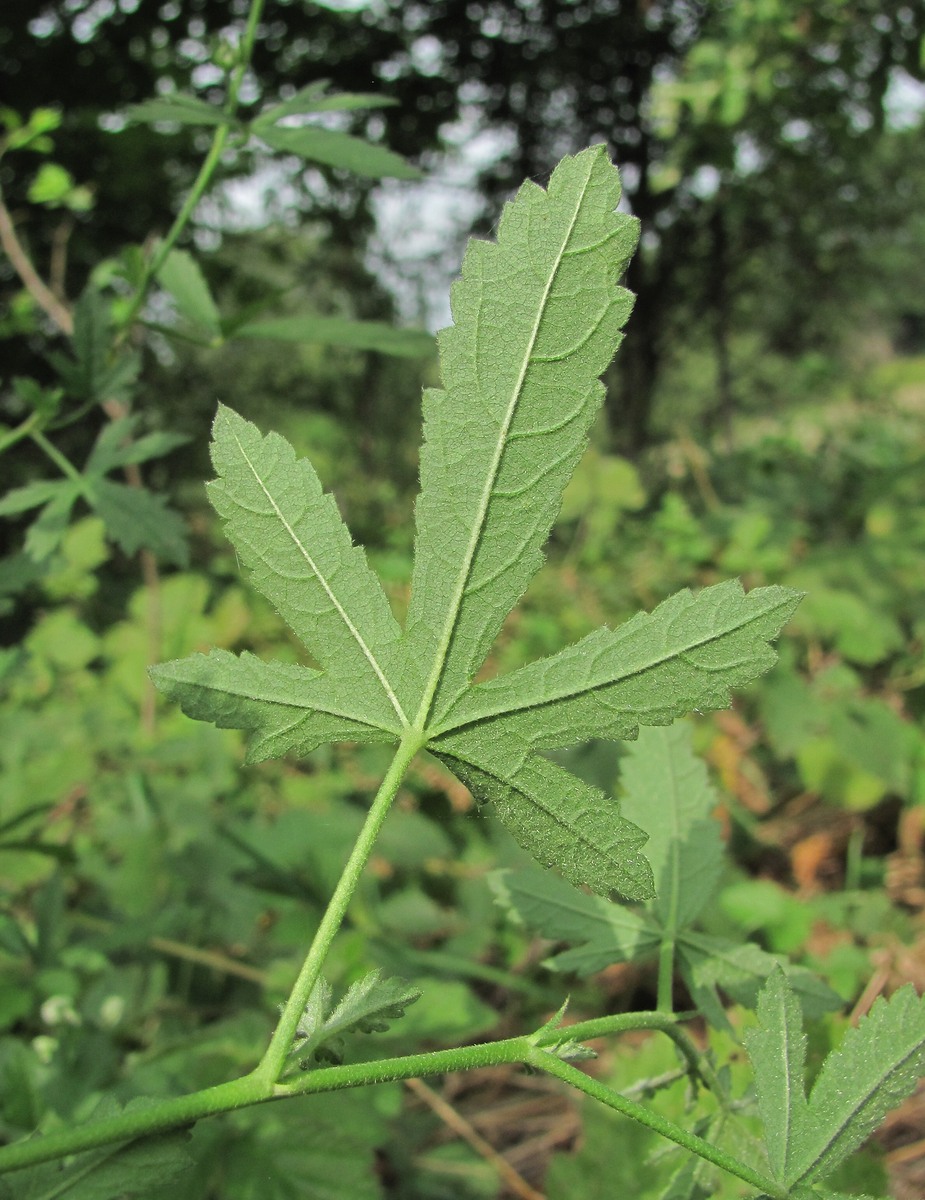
(697, 1063)
(168, 1114)
(259, 1087)
(666, 974)
(23, 430)
(544, 1061)
(274, 1060)
(204, 178)
(64, 465)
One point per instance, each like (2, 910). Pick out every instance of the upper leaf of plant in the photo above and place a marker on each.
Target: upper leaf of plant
(537, 316)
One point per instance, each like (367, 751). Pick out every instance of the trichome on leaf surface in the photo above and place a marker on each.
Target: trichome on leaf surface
(537, 318)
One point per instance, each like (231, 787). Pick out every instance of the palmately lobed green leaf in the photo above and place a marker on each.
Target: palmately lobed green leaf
(537, 318)
(688, 654)
(299, 552)
(286, 709)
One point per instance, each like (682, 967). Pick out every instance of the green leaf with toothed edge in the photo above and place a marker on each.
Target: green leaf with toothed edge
(538, 317)
(300, 555)
(286, 709)
(686, 655)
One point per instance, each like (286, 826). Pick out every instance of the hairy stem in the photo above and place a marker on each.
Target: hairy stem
(274, 1060)
(260, 1086)
(666, 973)
(547, 1062)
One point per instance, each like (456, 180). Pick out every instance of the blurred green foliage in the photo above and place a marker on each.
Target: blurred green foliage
(155, 896)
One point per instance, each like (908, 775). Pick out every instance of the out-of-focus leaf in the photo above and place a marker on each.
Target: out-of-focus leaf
(338, 331)
(180, 109)
(336, 149)
(182, 276)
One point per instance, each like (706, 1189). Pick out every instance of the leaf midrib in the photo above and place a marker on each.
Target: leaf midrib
(442, 655)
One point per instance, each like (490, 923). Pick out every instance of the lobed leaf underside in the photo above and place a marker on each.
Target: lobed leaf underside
(538, 316)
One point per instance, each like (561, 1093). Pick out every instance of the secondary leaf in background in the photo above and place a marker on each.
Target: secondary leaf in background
(537, 319)
(607, 933)
(134, 517)
(132, 1169)
(94, 373)
(336, 331)
(668, 794)
(709, 964)
(179, 108)
(336, 149)
(311, 99)
(182, 276)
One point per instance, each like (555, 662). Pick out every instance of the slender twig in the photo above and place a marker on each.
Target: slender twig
(206, 171)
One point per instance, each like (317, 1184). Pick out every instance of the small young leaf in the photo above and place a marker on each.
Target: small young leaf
(777, 1049)
(368, 1006)
(182, 276)
(336, 149)
(878, 1064)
